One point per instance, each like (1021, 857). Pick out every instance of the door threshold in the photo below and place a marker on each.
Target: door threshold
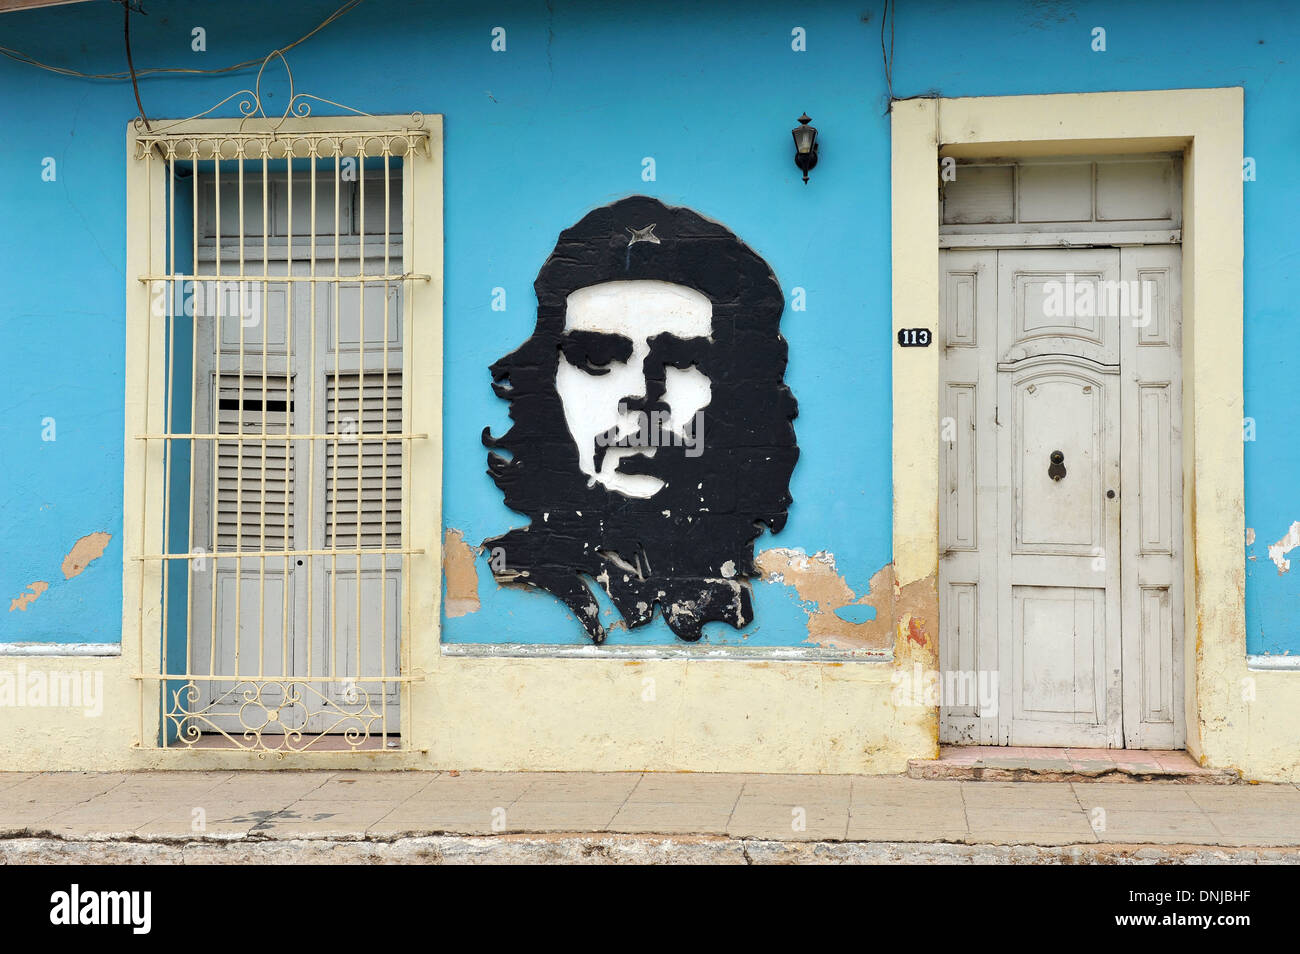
(1000, 763)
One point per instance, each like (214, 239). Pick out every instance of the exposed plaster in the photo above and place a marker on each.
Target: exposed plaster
(24, 600)
(1250, 536)
(459, 570)
(915, 612)
(822, 590)
(916, 607)
(84, 552)
(903, 614)
(1278, 551)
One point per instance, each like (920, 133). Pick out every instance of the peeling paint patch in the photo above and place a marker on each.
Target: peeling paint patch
(1278, 551)
(825, 593)
(84, 552)
(459, 571)
(1250, 536)
(26, 599)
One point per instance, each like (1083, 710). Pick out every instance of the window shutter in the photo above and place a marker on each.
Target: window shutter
(257, 479)
(355, 405)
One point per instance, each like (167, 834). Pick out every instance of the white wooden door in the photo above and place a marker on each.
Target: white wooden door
(1060, 568)
(311, 636)
(356, 596)
(245, 609)
(1058, 541)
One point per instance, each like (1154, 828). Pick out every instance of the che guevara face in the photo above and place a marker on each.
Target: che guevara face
(652, 322)
(629, 378)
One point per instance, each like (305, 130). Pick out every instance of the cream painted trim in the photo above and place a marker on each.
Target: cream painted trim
(590, 651)
(1224, 730)
(1270, 663)
(142, 524)
(424, 206)
(914, 229)
(143, 463)
(1059, 239)
(60, 649)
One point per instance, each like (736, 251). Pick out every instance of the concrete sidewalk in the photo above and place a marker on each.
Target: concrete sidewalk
(481, 816)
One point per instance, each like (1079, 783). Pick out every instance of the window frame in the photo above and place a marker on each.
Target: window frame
(145, 413)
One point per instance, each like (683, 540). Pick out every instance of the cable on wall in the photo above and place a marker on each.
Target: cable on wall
(887, 55)
(132, 75)
(128, 6)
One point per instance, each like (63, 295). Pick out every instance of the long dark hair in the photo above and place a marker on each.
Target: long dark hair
(689, 548)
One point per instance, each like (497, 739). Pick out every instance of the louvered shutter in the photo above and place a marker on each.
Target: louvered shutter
(255, 482)
(365, 475)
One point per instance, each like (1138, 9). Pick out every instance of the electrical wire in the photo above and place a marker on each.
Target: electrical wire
(888, 55)
(130, 65)
(21, 57)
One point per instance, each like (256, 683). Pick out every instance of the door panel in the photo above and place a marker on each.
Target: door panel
(1059, 450)
(1055, 411)
(960, 471)
(250, 311)
(243, 607)
(1060, 570)
(1152, 489)
(1057, 302)
(359, 508)
(246, 599)
(1058, 576)
(1157, 676)
(967, 476)
(1059, 664)
(352, 655)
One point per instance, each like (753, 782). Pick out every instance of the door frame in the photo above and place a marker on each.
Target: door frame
(1206, 125)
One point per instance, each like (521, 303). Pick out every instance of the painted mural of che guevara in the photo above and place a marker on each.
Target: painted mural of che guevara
(652, 437)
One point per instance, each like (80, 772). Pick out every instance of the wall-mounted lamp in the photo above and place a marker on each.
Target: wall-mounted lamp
(805, 145)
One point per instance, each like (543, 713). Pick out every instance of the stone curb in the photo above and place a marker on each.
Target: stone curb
(605, 849)
(930, 770)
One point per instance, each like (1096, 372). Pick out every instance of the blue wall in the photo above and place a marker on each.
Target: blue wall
(535, 137)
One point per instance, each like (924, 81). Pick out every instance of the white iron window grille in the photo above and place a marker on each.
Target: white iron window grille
(279, 311)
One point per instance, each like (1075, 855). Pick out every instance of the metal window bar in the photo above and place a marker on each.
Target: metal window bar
(242, 415)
